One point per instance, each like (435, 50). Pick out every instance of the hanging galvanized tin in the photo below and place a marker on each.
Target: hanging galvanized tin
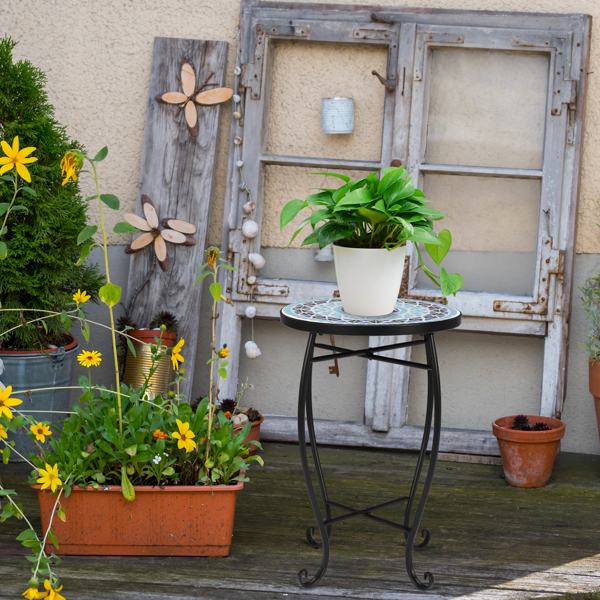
(337, 115)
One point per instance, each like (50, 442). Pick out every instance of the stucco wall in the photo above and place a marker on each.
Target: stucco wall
(97, 56)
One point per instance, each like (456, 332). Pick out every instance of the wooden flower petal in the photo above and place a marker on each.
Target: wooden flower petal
(215, 96)
(160, 248)
(188, 77)
(149, 211)
(141, 242)
(173, 236)
(137, 222)
(172, 98)
(189, 241)
(191, 114)
(178, 225)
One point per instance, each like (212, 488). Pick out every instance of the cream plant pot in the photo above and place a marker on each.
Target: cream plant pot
(369, 279)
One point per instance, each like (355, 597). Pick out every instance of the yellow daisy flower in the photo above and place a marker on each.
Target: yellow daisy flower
(184, 435)
(70, 163)
(49, 478)
(6, 401)
(3, 433)
(224, 353)
(89, 359)
(52, 592)
(81, 297)
(176, 357)
(16, 159)
(33, 594)
(40, 431)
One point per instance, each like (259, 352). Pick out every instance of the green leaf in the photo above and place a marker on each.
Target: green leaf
(322, 198)
(169, 471)
(62, 514)
(332, 232)
(3, 251)
(131, 347)
(110, 294)
(300, 227)
(86, 233)
(450, 283)
(355, 198)
(101, 154)
(223, 373)
(7, 493)
(438, 252)
(320, 215)
(110, 200)
(372, 216)
(126, 487)
(123, 227)
(391, 176)
(132, 450)
(290, 211)
(85, 252)
(338, 175)
(53, 539)
(30, 191)
(215, 290)
(85, 330)
(19, 207)
(28, 534)
(4, 207)
(7, 178)
(203, 276)
(425, 236)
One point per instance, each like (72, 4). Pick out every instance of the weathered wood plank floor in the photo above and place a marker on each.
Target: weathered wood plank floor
(488, 540)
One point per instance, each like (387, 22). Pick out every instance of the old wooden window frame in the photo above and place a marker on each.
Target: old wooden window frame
(410, 35)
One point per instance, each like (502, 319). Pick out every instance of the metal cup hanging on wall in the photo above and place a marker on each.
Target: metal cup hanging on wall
(337, 115)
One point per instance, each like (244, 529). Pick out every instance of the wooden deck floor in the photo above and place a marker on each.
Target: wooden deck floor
(489, 540)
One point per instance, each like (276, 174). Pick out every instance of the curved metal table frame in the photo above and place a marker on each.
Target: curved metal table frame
(318, 317)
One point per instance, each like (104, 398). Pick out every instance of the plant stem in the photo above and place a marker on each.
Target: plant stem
(112, 320)
(10, 206)
(212, 364)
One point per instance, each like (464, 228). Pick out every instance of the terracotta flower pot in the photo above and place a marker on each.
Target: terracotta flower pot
(172, 521)
(528, 456)
(595, 388)
(253, 434)
(148, 335)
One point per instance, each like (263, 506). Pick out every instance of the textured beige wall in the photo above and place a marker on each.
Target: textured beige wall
(97, 55)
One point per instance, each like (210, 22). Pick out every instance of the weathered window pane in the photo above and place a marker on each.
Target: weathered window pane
(494, 229)
(487, 108)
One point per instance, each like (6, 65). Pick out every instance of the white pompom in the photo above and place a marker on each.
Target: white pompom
(250, 228)
(252, 350)
(249, 207)
(258, 262)
(251, 312)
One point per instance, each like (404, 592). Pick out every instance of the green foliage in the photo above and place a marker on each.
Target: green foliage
(374, 212)
(591, 305)
(39, 271)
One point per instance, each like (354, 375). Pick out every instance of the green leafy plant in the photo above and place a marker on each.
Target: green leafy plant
(165, 318)
(591, 305)
(39, 240)
(374, 212)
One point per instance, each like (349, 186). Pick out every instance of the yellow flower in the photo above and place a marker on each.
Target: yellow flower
(81, 297)
(40, 431)
(49, 478)
(70, 163)
(212, 254)
(3, 433)
(224, 353)
(53, 592)
(33, 594)
(16, 159)
(6, 401)
(176, 357)
(184, 435)
(89, 359)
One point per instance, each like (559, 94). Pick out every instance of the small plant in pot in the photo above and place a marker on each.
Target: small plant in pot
(528, 446)
(591, 304)
(369, 221)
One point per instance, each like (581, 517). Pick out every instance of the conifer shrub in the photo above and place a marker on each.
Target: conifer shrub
(41, 270)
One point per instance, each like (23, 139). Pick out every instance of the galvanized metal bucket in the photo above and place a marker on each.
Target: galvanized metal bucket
(47, 371)
(337, 115)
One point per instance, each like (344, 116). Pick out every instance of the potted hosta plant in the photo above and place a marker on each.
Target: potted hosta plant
(40, 256)
(369, 221)
(528, 446)
(136, 472)
(591, 304)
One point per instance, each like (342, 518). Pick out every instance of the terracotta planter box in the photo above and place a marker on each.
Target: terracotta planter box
(174, 521)
(595, 388)
(528, 456)
(253, 434)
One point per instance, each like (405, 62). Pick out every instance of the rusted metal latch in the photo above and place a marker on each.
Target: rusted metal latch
(552, 262)
(335, 369)
(388, 86)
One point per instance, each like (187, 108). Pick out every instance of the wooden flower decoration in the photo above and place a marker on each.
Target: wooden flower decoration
(174, 231)
(192, 94)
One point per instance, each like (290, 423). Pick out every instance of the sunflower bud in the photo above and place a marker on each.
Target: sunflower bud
(33, 583)
(171, 394)
(212, 254)
(163, 327)
(181, 372)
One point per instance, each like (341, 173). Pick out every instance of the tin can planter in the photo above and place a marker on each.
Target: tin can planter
(137, 367)
(528, 456)
(595, 388)
(169, 521)
(253, 434)
(369, 279)
(31, 369)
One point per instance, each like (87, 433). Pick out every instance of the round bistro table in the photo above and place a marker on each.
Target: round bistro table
(410, 317)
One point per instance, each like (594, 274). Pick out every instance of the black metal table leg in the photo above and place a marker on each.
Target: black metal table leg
(304, 401)
(434, 404)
